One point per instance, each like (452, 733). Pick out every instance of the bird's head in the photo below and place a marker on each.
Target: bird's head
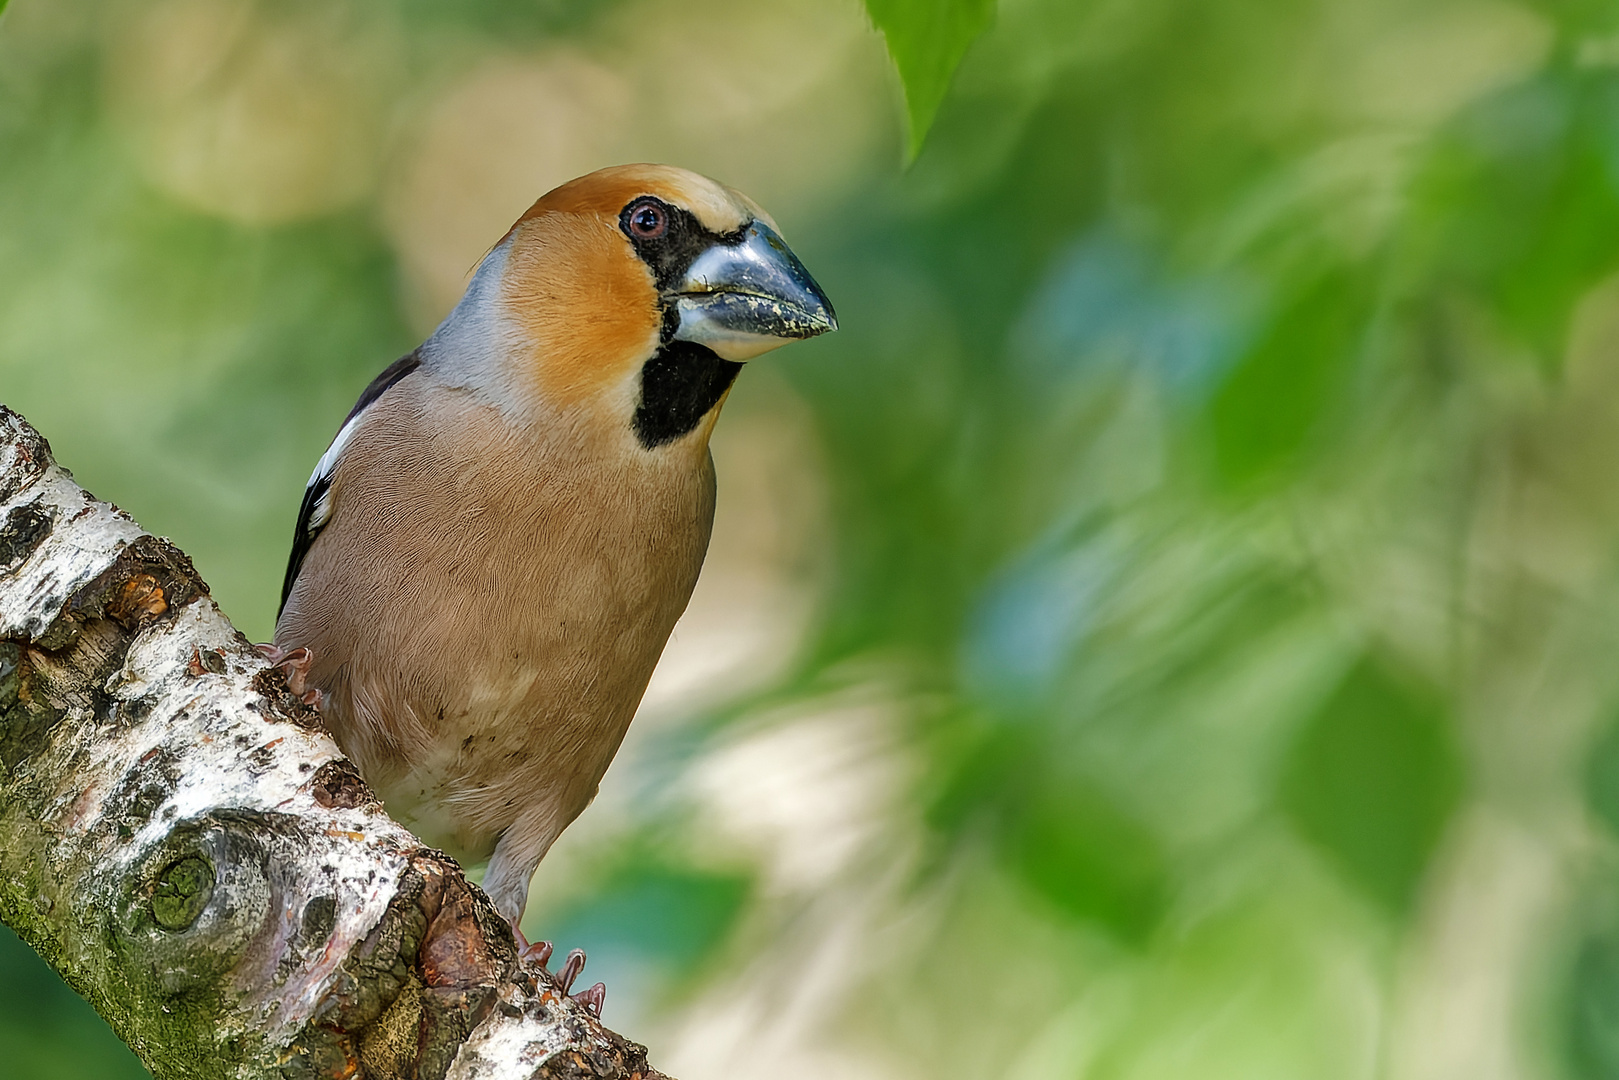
(633, 295)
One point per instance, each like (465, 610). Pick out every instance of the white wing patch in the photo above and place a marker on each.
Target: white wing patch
(318, 503)
(320, 480)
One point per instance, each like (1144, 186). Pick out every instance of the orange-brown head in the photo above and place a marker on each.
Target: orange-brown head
(634, 294)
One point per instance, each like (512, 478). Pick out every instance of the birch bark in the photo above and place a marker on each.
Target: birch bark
(182, 842)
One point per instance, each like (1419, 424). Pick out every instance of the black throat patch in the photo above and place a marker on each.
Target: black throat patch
(678, 387)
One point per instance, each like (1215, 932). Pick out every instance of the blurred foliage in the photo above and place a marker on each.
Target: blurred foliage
(1219, 467)
(668, 915)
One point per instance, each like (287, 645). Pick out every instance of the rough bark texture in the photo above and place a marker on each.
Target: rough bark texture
(187, 847)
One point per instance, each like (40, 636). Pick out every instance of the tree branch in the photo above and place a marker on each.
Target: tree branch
(182, 842)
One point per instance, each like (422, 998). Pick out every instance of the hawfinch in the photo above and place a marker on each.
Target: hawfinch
(492, 552)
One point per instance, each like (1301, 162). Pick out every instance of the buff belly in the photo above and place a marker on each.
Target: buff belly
(483, 691)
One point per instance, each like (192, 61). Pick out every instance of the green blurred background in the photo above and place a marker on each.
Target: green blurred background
(1171, 632)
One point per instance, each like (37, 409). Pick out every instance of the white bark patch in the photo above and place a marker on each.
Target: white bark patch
(518, 1040)
(83, 540)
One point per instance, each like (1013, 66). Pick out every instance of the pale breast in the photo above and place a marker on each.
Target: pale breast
(486, 606)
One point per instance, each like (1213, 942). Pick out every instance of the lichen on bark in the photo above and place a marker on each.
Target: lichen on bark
(182, 842)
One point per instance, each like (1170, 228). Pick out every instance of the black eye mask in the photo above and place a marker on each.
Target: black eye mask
(671, 254)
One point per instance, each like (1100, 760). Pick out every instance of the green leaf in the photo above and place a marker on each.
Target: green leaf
(1091, 861)
(1521, 203)
(1373, 780)
(1593, 1008)
(927, 39)
(1280, 392)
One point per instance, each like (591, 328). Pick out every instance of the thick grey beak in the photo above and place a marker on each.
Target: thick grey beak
(747, 298)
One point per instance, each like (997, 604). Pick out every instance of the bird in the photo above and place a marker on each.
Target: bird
(494, 548)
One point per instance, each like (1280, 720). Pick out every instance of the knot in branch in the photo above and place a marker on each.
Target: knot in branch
(183, 891)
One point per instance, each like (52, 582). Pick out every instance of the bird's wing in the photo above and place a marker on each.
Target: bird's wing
(316, 510)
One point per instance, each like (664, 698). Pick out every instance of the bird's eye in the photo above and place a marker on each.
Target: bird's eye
(648, 221)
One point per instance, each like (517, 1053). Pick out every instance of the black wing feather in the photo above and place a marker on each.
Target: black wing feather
(306, 530)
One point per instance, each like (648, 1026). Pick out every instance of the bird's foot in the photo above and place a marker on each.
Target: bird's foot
(539, 954)
(592, 999)
(294, 663)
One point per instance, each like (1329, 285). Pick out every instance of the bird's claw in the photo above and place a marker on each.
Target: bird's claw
(593, 999)
(539, 954)
(571, 967)
(294, 663)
